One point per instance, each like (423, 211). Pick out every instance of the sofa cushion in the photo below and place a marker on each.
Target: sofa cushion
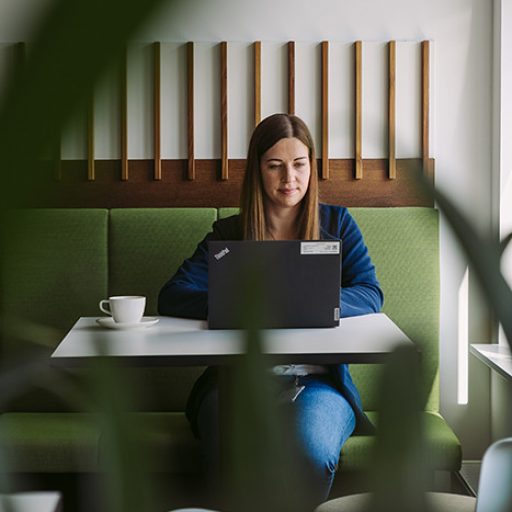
(74, 442)
(403, 242)
(54, 270)
(442, 446)
(404, 246)
(165, 441)
(55, 267)
(49, 442)
(146, 247)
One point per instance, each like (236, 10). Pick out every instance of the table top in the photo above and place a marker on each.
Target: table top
(30, 502)
(497, 357)
(183, 342)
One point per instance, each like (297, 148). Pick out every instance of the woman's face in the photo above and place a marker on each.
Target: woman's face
(285, 171)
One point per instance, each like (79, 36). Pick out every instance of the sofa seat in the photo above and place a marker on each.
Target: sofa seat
(49, 442)
(59, 442)
(442, 446)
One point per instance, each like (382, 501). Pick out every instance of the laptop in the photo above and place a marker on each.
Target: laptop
(274, 284)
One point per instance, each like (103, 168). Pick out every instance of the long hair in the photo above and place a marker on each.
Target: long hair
(252, 199)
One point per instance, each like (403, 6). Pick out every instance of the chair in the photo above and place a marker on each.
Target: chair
(192, 510)
(495, 487)
(494, 490)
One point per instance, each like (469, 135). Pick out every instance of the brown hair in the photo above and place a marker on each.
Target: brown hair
(252, 200)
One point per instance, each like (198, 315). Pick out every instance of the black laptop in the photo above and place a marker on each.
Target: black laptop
(274, 284)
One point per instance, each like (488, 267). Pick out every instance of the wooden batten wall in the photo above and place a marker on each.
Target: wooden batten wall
(160, 182)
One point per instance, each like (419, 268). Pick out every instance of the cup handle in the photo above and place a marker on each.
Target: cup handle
(103, 308)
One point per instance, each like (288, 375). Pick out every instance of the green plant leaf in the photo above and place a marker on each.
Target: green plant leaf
(483, 254)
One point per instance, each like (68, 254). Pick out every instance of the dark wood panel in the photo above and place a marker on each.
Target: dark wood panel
(208, 189)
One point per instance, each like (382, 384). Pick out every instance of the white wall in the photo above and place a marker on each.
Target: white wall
(501, 390)
(462, 70)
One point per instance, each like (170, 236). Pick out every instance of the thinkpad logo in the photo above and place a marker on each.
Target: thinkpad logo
(221, 254)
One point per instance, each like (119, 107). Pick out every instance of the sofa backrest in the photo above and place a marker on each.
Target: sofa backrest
(66, 260)
(55, 264)
(404, 246)
(147, 245)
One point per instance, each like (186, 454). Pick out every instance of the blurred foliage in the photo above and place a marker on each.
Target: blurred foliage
(264, 470)
(483, 255)
(74, 45)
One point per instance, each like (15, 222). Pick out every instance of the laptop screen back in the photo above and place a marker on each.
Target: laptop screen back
(274, 284)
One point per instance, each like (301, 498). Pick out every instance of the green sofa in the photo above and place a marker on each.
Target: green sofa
(64, 261)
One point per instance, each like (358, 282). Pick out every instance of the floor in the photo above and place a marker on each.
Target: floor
(470, 474)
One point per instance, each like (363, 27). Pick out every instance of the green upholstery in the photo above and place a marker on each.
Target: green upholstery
(49, 442)
(55, 264)
(227, 212)
(443, 447)
(146, 247)
(403, 244)
(165, 441)
(65, 261)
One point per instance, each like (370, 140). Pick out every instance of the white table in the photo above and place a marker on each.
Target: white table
(30, 502)
(183, 342)
(497, 357)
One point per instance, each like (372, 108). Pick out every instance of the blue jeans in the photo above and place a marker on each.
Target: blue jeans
(323, 421)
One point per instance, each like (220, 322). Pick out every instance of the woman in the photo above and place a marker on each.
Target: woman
(279, 201)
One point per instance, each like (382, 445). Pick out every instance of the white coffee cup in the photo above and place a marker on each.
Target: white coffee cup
(124, 309)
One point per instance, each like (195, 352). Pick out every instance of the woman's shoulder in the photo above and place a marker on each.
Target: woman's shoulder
(336, 220)
(330, 212)
(228, 228)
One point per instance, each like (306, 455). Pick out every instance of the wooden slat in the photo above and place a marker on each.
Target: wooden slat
(325, 110)
(91, 169)
(191, 164)
(56, 159)
(392, 110)
(425, 105)
(291, 78)
(257, 82)
(157, 173)
(359, 110)
(124, 118)
(224, 109)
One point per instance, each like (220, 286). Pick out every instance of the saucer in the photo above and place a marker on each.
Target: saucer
(147, 321)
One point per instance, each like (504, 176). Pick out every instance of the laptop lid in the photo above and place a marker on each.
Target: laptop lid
(274, 284)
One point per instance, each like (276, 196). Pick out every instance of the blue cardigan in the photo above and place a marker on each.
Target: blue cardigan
(186, 294)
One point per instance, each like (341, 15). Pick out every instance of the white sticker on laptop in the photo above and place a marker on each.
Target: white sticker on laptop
(320, 247)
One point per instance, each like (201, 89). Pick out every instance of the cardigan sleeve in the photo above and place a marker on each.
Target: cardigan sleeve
(360, 291)
(185, 295)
